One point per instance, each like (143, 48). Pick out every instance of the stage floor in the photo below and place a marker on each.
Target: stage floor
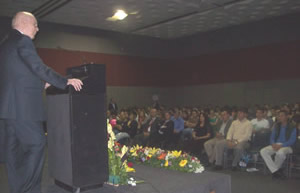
(160, 181)
(240, 182)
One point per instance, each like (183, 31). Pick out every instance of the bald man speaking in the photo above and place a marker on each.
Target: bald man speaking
(23, 76)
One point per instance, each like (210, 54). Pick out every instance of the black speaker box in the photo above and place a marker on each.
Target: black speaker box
(77, 131)
(2, 142)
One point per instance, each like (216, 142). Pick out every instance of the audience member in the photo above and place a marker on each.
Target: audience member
(189, 126)
(221, 134)
(260, 123)
(178, 125)
(112, 106)
(131, 126)
(201, 133)
(283, 137)
(149, 136)
(237, 138)
(166, 130)
(213, 119)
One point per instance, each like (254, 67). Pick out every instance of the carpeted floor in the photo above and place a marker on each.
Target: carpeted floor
(242, 182)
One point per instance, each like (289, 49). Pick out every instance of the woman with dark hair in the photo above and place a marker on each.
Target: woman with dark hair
(131, 125)
(201, 134)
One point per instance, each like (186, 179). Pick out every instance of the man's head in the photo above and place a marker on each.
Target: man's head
(167, 115)
(194, 113)
(242, 113)
(176, 113)
(260, 113)
(26, 23)
(122, 115)
(283, 117)
(132, 115)
(225, 115)
(153, 112)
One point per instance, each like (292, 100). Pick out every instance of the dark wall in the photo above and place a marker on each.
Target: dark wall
(272, 62)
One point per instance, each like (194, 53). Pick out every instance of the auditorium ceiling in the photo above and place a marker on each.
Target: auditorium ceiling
(167, 19)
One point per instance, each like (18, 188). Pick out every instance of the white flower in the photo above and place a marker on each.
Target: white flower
(199, 169)
(146, 152)
(132, 182)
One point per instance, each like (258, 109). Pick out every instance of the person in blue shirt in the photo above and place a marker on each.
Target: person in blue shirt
(178, 126)
(283, 137)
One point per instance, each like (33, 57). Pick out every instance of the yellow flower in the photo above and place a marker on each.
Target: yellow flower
(153, 151)
(134, 154)
(149, 155)
(127, 168)
(166, 163)
(183, 163)
(138, 147)
(110, 143)
(124, 150)
(176, 153)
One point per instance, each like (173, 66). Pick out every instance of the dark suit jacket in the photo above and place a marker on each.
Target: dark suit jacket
(167, 128)
(22, 76)
(131, 129)
(228, 124)
(154, 126)
(113, 108)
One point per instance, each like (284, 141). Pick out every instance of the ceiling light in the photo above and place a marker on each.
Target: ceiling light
(119, 15)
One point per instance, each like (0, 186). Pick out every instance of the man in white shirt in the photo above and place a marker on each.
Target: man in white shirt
(260, 123)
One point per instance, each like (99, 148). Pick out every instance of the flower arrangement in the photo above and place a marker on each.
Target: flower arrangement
(173, 160)
(118, 166)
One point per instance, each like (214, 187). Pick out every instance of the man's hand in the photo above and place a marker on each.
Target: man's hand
(219, 135)
(47, 85)
(230, 144)
(276, 147)
(76, 83)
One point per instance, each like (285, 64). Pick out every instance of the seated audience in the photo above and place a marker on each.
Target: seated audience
(213, 119)
(201, 133)
(178, 125)
(166, 130)
(237, 138)
(189, 126)
(234, 113)
(149, 136)
(112, 106)
(260, 124)
(221, 134)
(131, 126)
(283, 137)
(120, 123)
(141, 121)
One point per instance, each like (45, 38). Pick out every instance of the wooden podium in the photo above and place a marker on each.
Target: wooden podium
(77, 131)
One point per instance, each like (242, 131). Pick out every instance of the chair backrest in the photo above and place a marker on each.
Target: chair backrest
(260, 140)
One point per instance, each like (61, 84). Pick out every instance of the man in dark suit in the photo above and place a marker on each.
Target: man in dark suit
(220, 135)
(150, 135)
(112, 106)
(23, 76)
